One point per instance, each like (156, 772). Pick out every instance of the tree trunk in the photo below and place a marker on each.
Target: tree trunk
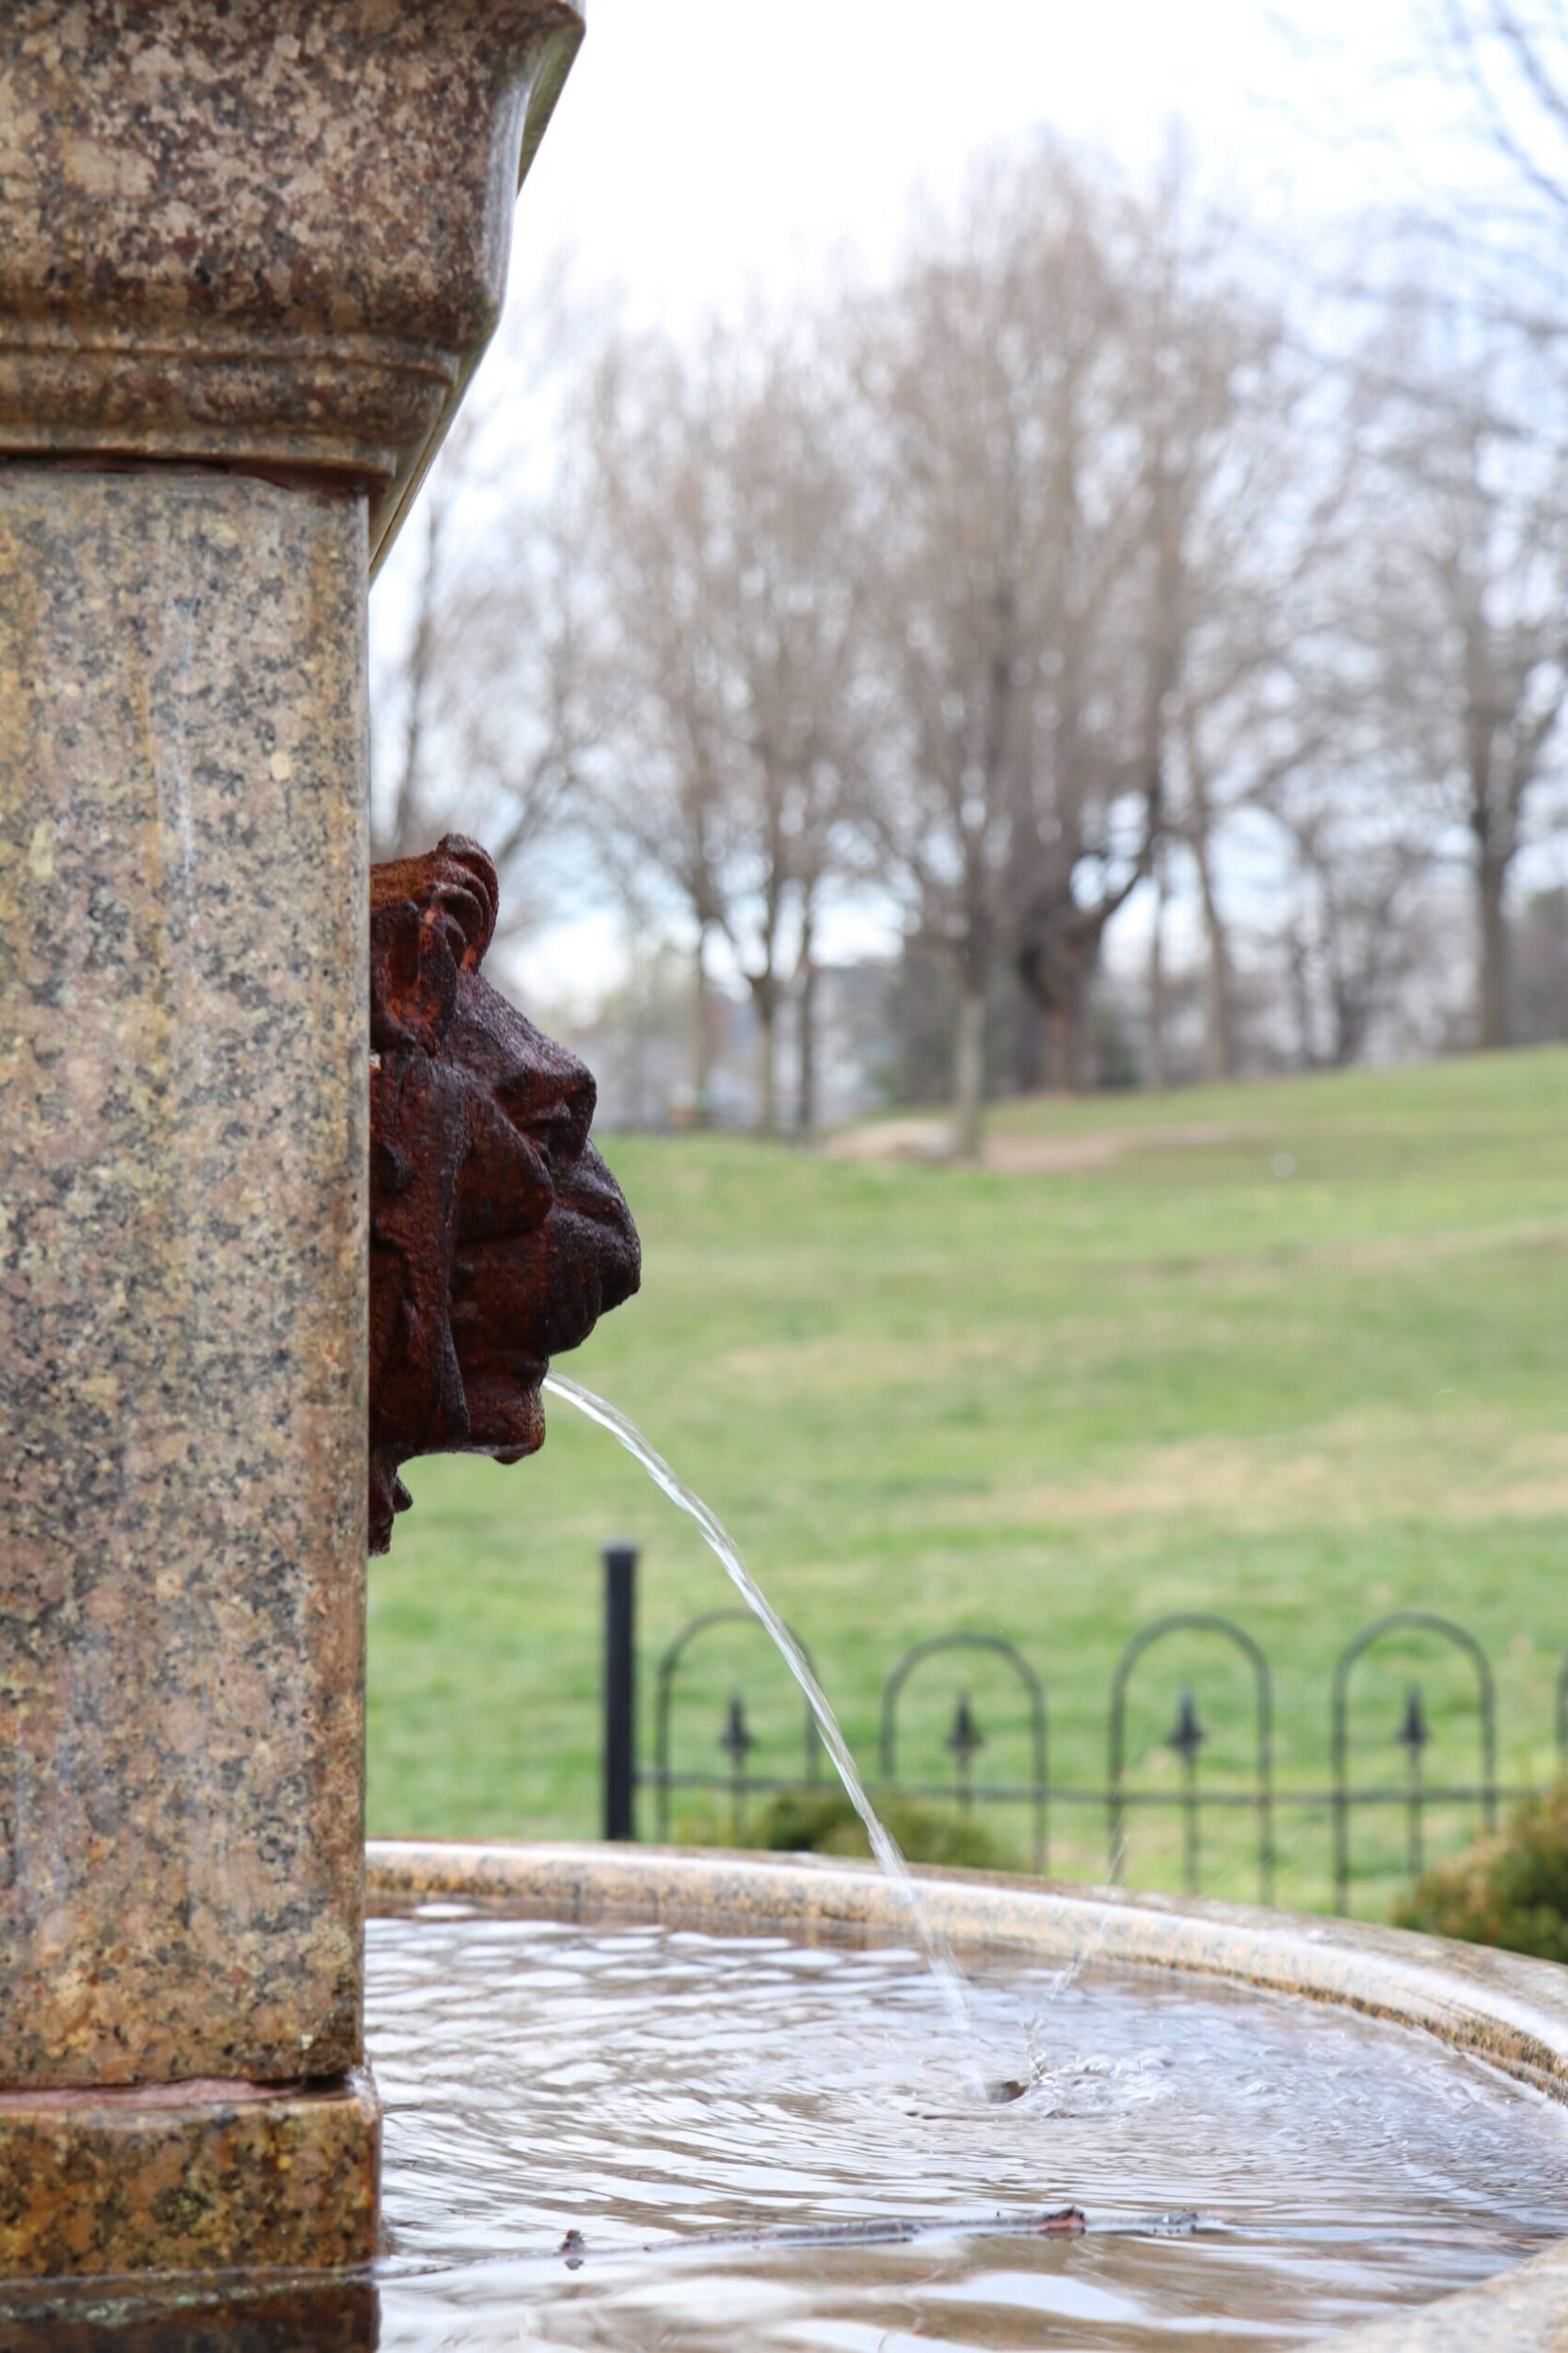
(805, 1067)
(637, 1051)
(1029, 1044)
(1070, 1057)
(1350, 1027)
(702, 1036)
(1155, 1071)
(1084, 1065)
(1059, 1048)
(1494, 1008)
(402, 834)
(766, 1000)
(1218, 1027)
(1300, 1000)
(968, 1085)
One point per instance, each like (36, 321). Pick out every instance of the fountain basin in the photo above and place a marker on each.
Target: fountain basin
(1497, 2014)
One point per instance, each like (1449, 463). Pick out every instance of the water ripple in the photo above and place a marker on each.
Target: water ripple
(673, 2098)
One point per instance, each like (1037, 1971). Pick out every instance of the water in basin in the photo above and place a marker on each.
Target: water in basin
(594, 2136)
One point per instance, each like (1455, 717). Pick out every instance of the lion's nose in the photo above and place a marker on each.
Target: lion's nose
(594, 1194)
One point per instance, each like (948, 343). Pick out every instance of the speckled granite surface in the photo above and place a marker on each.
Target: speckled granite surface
(183, 1065)
(112, 2183)
(273, 231)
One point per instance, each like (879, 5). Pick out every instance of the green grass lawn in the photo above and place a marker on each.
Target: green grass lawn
(1295, 1353)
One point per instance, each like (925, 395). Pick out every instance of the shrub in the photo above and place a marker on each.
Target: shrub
(823, 1821)
(1509, 1889)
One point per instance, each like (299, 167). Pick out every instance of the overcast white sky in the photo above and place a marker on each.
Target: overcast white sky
(704, 148)
(701, 143)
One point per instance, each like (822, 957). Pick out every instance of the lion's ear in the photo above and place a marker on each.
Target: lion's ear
(413, 980)
(467, 889)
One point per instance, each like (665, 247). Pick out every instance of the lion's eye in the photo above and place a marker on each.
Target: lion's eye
(551, 1106)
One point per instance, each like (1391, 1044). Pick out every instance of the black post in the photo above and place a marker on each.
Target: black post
(621, 1692)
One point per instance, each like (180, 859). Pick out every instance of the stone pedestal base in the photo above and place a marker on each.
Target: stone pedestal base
(327, 2315)
(196, 2177)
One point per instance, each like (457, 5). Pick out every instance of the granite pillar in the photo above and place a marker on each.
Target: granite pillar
(250, 256)
(182, 1064)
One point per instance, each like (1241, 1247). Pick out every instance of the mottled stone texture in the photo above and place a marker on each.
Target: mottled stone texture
(113, 2182)
(183, 876)
(266, 231)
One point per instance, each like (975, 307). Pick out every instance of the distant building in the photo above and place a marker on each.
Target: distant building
(639, 1045)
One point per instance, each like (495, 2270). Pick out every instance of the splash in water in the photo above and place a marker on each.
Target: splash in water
(938, 1953)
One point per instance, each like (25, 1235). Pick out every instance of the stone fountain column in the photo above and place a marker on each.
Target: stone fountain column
(249, 256)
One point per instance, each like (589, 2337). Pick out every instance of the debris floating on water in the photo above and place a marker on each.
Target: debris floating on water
(897, 2230)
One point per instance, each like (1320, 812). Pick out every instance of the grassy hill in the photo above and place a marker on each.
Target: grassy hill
(1294, 1352)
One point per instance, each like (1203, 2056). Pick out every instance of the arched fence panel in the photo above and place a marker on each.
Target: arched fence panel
(1186, 1740)
(981, 1698)
(735, 1738)
(1414, 1735)
(965, 1737)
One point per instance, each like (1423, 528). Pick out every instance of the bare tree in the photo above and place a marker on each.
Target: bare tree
(1466, 603)
(413, 672)
(1096, 528)
(1541, 966)
(992, 379)
(487, 710)
(1359, 861)
(1249, 688)
(1104, 657)
(484, 671)
(414, 678)
(1511, 59)
(723, 514)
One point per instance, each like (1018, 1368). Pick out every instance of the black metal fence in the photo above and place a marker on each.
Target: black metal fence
(1386, 1778)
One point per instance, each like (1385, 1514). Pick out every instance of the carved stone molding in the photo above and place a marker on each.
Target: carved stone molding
(271, 235)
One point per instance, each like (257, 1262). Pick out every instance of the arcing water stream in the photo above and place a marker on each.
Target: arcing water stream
(949, 1976)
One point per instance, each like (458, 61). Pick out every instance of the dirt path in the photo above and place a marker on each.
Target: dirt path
(930, 1139)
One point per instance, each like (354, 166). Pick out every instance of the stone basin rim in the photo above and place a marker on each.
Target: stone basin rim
(1503, 2008)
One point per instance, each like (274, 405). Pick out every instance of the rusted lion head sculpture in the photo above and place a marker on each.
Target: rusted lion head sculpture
(497, 1235)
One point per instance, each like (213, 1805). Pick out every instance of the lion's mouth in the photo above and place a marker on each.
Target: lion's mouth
(519, 1301)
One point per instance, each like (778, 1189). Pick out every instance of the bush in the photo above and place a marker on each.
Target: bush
(823, 1821)
(1510, 1889)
